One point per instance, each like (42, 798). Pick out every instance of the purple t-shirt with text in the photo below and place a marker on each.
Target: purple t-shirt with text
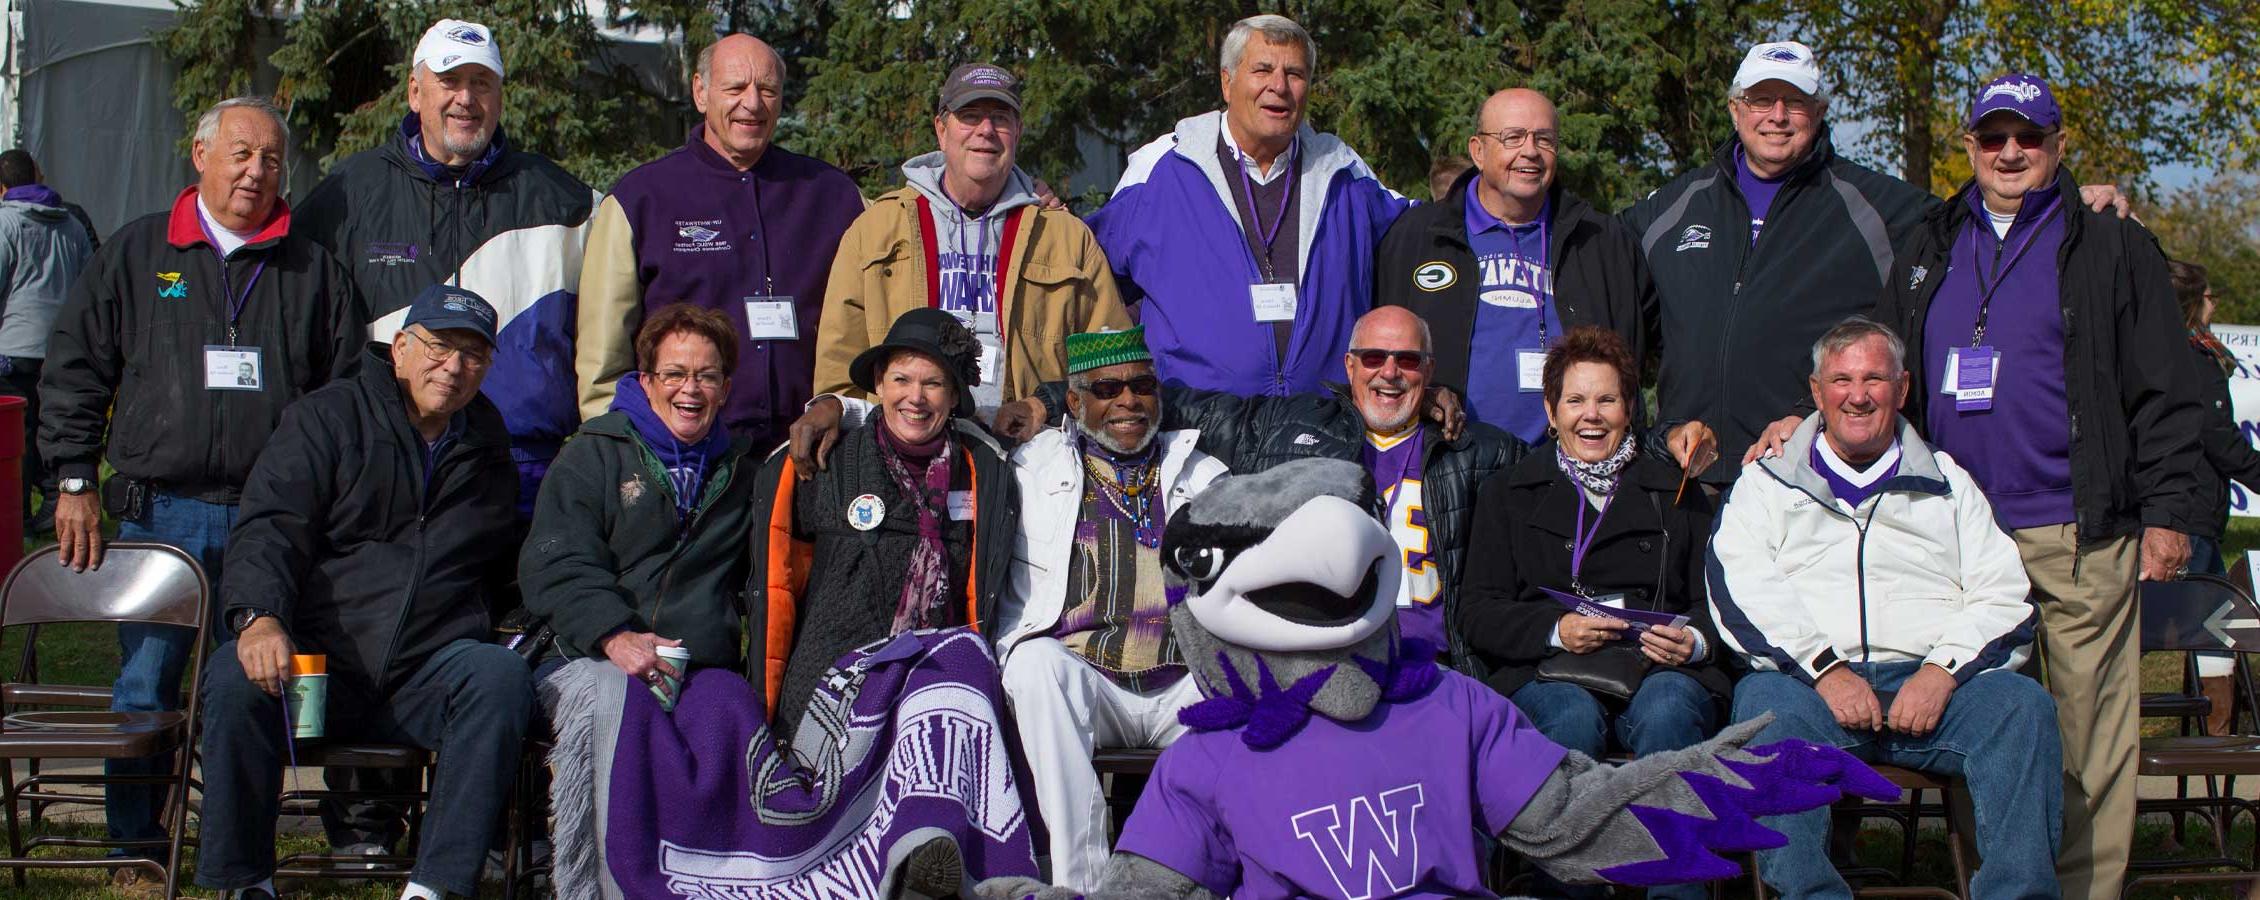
(1757, 192)
(1391, 806)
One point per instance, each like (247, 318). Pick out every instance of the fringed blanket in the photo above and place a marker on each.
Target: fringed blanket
(904, 742)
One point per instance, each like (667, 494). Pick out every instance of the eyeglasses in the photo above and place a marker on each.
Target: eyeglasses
(441, 352)
(1765, 104)
(1110, 388)
(1374, 359)
(1511, 138)
(1993, 141)
(707, 378)
(972, 117)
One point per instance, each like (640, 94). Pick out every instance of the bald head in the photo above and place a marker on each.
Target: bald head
(1517, 134)
(1391, 328)
(740, 89)
(1388, 367)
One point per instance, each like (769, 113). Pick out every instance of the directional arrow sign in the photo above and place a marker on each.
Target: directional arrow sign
(2219, 624)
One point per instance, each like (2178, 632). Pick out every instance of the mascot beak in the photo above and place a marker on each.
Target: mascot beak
(1325, 578)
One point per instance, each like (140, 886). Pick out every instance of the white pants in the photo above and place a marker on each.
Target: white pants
(1065, 708)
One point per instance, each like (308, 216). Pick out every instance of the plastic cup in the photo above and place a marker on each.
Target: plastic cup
(309, 694)
(668, 689)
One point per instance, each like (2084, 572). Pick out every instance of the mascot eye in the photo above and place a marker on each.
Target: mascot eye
(1201, 565)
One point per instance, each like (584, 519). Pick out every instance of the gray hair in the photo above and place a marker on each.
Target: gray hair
(1852, 331)
(1276, 30)
(1820, 97)
(208, 124)
(706, 56)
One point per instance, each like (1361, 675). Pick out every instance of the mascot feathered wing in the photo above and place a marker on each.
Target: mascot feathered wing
(1332, 759)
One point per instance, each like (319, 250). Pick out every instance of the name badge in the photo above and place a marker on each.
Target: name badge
(1971, 373)
(992, 364)
(771, 319)
(1530, 366)
(232, 369)
(1272, 302)
(961, 506)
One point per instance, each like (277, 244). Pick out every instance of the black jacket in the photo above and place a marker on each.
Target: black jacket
(125, 364)
(805, 555)
(1648, 547)
(609, 551)
(1739, 321)
(2135, 419)
(1599, 276)
(363, 554)
(1251, 434)
(2228, 456)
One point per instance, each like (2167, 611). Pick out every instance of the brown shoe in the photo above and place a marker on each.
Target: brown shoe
(137, 882)
(2221, 691)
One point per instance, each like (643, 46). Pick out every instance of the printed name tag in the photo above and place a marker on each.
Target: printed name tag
(232, 369)
(960, 505)
(771, 319)
(1971, 373)
(1531, 369)
(1272, 302)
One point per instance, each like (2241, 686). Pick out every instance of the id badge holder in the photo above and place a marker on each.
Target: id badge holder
(1530, 370)
(229, 368)
(1272, 302)
(1975, 370)
(772, 319)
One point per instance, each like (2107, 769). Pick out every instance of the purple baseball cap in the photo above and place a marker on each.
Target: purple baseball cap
(2025, 95)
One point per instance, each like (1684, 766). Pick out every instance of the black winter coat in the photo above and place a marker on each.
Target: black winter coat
(2135, 418)
(125, 369)
(1739, 321)
(2228, 455)
(1600, 277)
(1648, 547)
(364, 555)
(608, 549)
(820, 587)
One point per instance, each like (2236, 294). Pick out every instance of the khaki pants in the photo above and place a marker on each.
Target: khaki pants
(2091, 661)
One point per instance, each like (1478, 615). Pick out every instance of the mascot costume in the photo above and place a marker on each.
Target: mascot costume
(1332, 759)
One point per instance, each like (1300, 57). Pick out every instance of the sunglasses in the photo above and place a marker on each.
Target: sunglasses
(1993, 141)
(1110, 388)
(1374, 359)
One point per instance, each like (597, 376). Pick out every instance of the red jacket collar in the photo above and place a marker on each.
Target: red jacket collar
(185, 228)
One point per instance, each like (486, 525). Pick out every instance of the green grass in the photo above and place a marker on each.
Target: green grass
(93, 884)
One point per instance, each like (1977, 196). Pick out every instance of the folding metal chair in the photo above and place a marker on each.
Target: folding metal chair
(2201, 612)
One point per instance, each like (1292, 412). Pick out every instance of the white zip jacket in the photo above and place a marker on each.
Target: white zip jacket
(1051, 496)
(1799, 581)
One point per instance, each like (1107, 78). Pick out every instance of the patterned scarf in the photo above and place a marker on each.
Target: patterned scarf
(2206, 343)
(1598, 477)
(927, 578)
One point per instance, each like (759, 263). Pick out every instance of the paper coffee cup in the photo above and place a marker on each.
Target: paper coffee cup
(309, 694)
(671, 688)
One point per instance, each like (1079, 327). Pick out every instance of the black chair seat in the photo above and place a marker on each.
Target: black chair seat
(362, 756)
(2160, 705)
(89, 734)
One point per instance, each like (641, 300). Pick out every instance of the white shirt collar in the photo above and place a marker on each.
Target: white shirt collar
(1279, 164)
(229, 240)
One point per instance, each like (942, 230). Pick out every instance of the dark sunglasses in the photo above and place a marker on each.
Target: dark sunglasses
(1993, 141)
(1110, 388)
(1374, 359)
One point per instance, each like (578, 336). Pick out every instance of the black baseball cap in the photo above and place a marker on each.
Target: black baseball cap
(444, 306)
(979, 81)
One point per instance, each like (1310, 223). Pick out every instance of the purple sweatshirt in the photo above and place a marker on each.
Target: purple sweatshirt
(711, 235)
(2020, 451)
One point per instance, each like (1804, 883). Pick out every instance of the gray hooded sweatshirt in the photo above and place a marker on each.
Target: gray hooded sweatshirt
(42, 251)
(967, 243)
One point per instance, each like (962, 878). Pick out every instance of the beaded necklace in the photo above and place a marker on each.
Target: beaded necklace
(1128, 488)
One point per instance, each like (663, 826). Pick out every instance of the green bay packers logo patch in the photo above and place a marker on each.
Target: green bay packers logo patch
(1434, 276)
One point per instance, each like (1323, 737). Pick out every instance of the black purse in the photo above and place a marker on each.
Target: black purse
(1617, 669)
(525, 634)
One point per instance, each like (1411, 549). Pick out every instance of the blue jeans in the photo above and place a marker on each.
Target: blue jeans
(155, 656)
(1998, 734)
(469, 703)
(1670, 711)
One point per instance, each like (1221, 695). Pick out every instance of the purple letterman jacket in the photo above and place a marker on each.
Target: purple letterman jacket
(690, 227)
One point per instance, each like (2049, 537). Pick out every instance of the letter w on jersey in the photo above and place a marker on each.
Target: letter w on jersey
(1380, 841)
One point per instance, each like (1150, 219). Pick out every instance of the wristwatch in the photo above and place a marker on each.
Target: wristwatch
(75, 486)
(243, 617)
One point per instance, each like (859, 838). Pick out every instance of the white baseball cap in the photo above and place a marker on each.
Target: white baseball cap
(454, 42)
(1786, 61)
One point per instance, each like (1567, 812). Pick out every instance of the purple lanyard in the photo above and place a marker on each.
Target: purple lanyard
(1582, 539)
(987, 279)
(1248, 186)
(1977, 266)
(235, 304)
(1537, 272)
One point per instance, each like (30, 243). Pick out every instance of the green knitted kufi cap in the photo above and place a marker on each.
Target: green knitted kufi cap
(1099, 349)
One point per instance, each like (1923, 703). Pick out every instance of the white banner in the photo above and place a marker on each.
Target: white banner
(2244, 395)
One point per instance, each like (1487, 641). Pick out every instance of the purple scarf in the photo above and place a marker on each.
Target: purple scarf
(927, 579)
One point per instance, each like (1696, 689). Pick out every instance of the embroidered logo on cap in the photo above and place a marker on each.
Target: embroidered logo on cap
(1434, 276)
(1783, 54)
(467, 35)
(2020, 91)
